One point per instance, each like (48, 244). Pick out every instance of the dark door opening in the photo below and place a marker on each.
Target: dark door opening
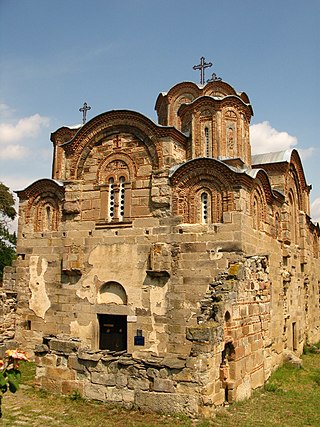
(113, 332)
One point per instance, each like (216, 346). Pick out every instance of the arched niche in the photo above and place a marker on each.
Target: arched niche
(112, 293)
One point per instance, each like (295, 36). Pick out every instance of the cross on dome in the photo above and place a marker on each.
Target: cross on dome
(202, 66)
(84, 110)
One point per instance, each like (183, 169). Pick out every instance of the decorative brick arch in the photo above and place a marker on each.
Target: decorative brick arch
(258, 208)
(113, 122)
(296, 182)
(218, 88)
(45, 213)
(261, 196)
(44, 205)
(200, 176)
(107, 166)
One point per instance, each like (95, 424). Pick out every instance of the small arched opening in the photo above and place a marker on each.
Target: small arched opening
(112, 293)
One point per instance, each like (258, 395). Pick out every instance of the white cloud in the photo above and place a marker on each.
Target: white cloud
(13, 152)
(315, 210)
(26, 127)
(13, 134)
(264, 139)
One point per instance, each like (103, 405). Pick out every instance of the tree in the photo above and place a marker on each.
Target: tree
(7, 238)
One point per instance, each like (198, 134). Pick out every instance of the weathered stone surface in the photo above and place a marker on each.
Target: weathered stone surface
(211, 332)
(163, 385)
(94, 391)
(138, 383)
(171, 403)
(174, 363)
(63, 346)
(293, 359)
(90, 356)
(41, 348)
(104, 378)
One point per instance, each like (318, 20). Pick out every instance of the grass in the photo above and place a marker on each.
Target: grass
(289, 399)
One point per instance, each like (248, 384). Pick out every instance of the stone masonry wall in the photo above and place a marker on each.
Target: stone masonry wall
(227, 358)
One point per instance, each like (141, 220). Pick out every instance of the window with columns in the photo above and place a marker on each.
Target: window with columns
(116, 192)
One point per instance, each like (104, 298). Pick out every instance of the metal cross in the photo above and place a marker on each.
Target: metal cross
(84, 110)
(214, 78)
(202, 67)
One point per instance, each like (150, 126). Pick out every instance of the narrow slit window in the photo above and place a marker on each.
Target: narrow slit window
(111, 199)
(48, 215)
(204, 208)
(121, 198)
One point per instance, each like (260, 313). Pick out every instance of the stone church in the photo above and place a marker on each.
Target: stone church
(163, 266)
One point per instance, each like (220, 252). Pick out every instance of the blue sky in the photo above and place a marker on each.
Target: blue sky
(54, 55)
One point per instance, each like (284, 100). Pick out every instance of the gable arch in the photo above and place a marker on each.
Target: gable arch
(106, 124)
(42, 195)
(258, 206)
(195, 178)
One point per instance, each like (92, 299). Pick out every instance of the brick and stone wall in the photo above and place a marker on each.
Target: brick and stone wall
(208, 293)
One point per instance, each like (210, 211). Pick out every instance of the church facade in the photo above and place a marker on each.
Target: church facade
(163, 266)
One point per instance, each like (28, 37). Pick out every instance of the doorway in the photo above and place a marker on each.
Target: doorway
(113, 332)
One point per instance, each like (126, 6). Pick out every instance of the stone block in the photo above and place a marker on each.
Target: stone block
(135, 383)
(60, 373)
(94, 391)
(114, 394)
(104, 378)
(206, 332)
(171, 403)
(50, 384)
(63, 346)
(121, 380)
(163, 385)
(174, 362)
(73, 363)
(257, 378)
(47, 360)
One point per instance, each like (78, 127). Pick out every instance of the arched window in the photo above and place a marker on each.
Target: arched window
(255, 214)
(115, 194)
(204, 208)
(48, 218)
